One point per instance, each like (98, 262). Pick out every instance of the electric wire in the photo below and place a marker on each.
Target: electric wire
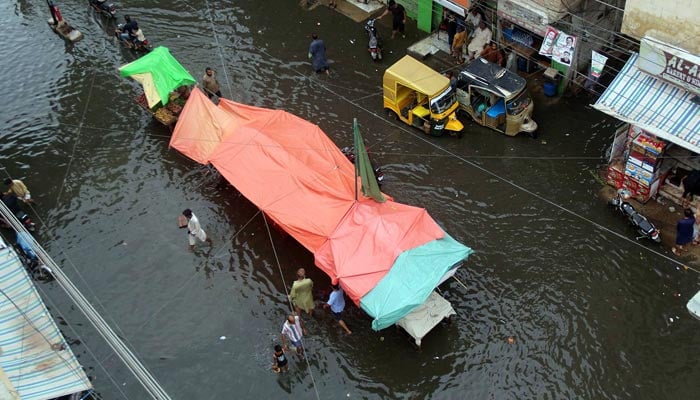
(183, 285)
(267, 226)
(291, 306)
(112, 339)
(60, 190)
(48, 222)
(92, 354)
(72, 367)
(218, 46)
(497, 176)
(16, 225)
(375, 115)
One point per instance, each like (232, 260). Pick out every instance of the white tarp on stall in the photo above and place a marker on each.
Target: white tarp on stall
(426, 316)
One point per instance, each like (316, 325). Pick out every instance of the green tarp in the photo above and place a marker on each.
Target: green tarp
(411, 279)
(166, 73)
(363, 168)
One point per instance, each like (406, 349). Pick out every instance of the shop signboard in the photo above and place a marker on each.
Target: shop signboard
(456, 6)
(520, 13)
(669, 63)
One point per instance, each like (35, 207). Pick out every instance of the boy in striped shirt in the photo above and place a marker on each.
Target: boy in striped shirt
(294, 330)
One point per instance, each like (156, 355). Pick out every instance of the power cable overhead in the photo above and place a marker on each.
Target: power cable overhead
(115, 343)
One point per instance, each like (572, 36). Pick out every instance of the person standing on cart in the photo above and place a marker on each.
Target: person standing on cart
(210, 84)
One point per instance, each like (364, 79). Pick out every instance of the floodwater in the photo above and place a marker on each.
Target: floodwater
(592, 315)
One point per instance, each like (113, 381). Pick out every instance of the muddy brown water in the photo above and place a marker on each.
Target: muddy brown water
(590, 313)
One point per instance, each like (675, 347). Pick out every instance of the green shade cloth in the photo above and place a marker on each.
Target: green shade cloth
(412, 278)
(363, 168)
(167, 73)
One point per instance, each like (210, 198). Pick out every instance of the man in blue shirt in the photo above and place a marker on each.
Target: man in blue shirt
(336, 302)
(317, 52)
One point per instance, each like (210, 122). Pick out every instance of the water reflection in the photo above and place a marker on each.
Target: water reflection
(590, 315)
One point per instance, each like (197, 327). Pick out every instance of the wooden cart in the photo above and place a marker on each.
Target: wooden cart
(168, 114)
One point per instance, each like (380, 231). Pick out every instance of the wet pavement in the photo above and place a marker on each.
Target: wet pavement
(592, 315)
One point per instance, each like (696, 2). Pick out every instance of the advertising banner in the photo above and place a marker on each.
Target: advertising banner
(558, 45)
(597, 64)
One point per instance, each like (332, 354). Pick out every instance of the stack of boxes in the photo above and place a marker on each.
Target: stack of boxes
(642, 167)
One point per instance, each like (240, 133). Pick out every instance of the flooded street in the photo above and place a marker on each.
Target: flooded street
(593, 316)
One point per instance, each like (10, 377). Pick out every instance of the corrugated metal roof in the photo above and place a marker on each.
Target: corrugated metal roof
(654, 105)
(35, 361)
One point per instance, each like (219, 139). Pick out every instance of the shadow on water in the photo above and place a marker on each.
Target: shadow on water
(589, 316)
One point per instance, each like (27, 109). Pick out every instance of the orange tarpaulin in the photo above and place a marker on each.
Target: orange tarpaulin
(364, 246)
(294, 173)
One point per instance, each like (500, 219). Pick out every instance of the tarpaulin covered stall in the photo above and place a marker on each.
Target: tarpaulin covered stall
(294, 173)
(159, 73)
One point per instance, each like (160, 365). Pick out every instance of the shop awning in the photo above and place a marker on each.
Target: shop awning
(660, 108)
(35, 361)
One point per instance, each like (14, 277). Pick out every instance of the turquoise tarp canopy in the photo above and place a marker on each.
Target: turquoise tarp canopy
(412, 278)
(159, 73)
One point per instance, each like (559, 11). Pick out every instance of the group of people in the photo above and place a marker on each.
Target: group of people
(317, 48)
(300, 295)
(688, 228)
(473, 32)
(293, 330)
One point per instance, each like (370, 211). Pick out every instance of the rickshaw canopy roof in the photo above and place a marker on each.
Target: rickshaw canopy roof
(159, 73)
(416, 75)
(493, 77)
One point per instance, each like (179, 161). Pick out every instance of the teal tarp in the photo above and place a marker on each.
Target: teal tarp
(411, 279)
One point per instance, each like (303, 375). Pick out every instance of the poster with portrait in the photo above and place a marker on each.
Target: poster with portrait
(550, 38)
(564, 48)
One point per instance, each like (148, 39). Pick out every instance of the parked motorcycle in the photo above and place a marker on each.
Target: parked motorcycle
(133, 43)
(29, 257)
(109, 10)
(12, 204)
(644, 227)
(349, 152)
(375, 42)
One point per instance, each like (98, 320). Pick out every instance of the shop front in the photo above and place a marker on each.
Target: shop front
(659, 144)
(459, 7)
(525, 27)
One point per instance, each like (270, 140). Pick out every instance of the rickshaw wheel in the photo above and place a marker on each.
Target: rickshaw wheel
(533, 134)
(390, 114)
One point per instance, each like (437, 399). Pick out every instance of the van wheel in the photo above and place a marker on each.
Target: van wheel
(391, 115)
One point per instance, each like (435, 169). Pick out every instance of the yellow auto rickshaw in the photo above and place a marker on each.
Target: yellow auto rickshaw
(421, 97)
(496, 98)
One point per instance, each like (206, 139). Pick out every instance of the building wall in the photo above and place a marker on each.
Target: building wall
(674, 22)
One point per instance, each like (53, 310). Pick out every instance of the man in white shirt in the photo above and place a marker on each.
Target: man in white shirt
(482, 36)
(293, 330)
(473, 18)
(194, 229)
